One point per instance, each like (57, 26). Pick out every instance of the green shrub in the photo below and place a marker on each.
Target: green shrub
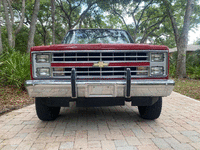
(192, 65)
(193, 59)
(172, 65)
(14, 68)
(172, 70)
(194, 72)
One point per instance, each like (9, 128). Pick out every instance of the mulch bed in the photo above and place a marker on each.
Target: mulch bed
(12, 98)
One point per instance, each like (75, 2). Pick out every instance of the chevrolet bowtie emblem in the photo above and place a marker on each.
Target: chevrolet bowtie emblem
(100, 64)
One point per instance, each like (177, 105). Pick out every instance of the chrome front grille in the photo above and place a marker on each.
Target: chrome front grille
(90, 72)
(96, 72)
(95, 56)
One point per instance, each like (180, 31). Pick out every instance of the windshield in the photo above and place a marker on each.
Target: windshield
(92, 36)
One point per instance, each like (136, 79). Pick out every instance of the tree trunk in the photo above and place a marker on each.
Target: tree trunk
(45, 38)
(183, 42)
(21, 19)
(80, 24)
(181, 60)
(8, 24)
(11, 11)
(33, 25)
(181, 38)
(53, 20)
(20, 22)
(1, 46)
(81, 17)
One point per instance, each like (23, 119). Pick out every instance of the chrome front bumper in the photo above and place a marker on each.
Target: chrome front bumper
(100, 88)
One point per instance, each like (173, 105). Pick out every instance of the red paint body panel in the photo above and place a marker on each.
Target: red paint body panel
(130, 64)
(61, 47)
(71, 64)
(91, 64)
(168, 65)
(31, 67)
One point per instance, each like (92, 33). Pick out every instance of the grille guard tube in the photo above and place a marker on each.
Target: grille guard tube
(99, 88)
(128, 83)
(73, 83)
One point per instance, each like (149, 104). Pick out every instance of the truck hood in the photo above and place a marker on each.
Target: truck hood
(100, 46)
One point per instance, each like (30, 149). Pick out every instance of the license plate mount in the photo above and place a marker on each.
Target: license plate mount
(101, 90)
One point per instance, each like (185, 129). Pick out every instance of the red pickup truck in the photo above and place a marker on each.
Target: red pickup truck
(99, 67)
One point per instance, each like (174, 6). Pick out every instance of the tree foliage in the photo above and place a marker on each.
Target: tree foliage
(197, 42)
(146, 20)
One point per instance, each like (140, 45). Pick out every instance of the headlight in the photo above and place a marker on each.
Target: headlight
(42, 58)
(157, 57)
(43, 72)
(157, 71)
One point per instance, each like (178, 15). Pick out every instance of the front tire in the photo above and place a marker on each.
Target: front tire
(44, 112)
(151, 112)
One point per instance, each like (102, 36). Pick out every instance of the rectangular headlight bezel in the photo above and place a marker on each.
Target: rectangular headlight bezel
(157, 57)
(44, 64)
(45, 57)
(158, 69)
(38, 72)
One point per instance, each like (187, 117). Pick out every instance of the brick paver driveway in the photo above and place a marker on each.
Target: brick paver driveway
(106, 128)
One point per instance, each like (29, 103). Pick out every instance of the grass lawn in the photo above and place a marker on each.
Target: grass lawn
(12, 98)
(190, 88)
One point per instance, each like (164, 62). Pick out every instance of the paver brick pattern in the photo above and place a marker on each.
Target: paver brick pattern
(105, 128)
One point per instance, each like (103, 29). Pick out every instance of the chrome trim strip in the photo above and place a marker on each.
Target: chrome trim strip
(105, 77)
(99, 67)
(97, 61)
(96, 71)
(98, 56)
(81, 82)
